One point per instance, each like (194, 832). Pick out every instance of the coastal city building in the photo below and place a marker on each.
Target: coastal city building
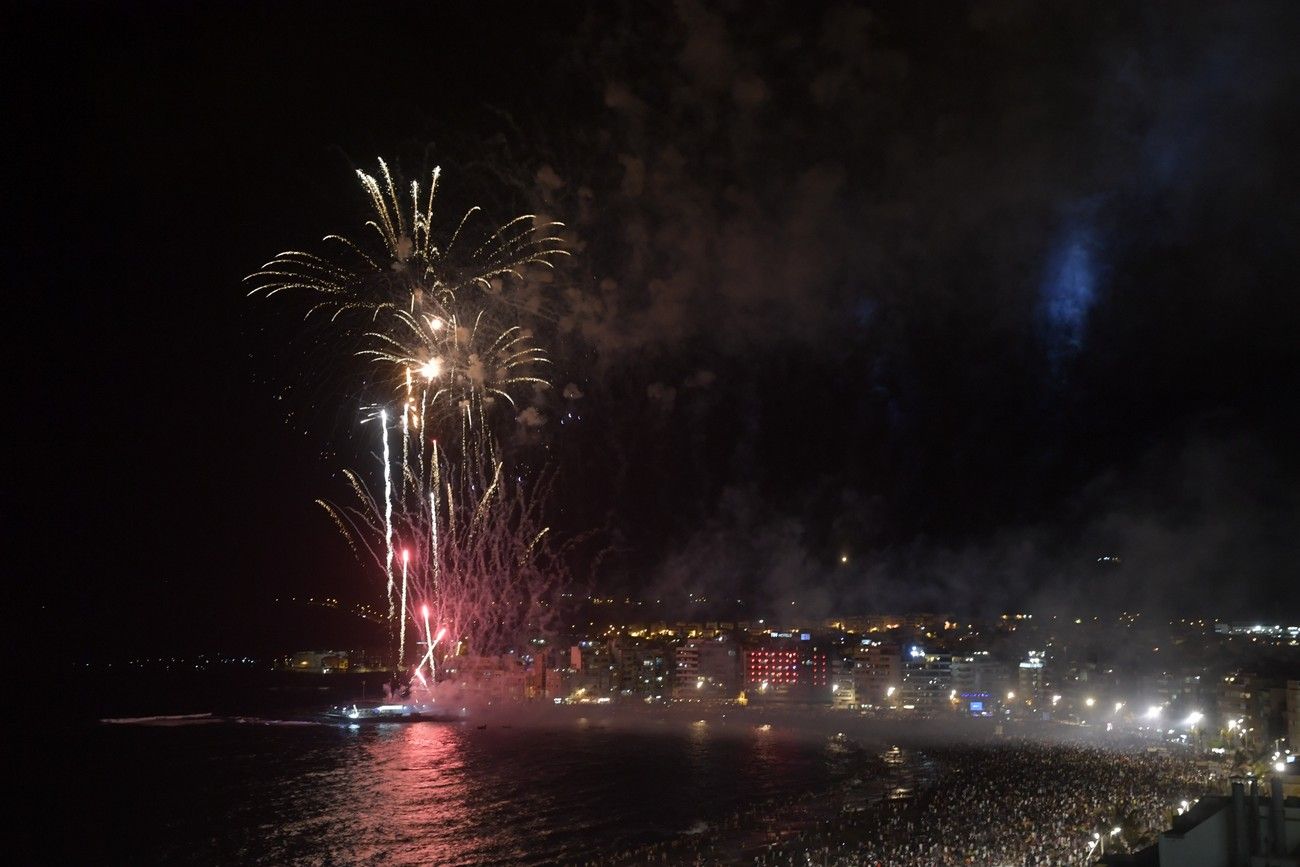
(707, 668)
(1258, 705)
(928, 682)
(877, 673)
(1243, 829)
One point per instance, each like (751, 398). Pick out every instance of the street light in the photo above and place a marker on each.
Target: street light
(1090, 701)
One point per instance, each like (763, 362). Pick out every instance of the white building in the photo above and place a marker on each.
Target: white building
(707, 668)
(927, 681)
(877, 674)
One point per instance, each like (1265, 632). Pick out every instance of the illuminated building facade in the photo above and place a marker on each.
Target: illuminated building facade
(927, 681)
(844, 695)
(1259, 705)
(877, 673)
(977, 679)
(642, 667)
(1031, 685)
(707, 668)
(790, 668)
(319, 661)
(773, 667)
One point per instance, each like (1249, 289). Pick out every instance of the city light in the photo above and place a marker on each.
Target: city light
(1279, 766)
(1011, 696)
(1118, 705)
(1193, 718)
(1090, 701)
(1153, 712)
(1055, 699)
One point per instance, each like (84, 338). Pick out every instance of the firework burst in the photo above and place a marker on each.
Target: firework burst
(477, 570)
(402, 265)
(445, 367)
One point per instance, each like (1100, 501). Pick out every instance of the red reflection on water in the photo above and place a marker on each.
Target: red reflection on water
(407, 798)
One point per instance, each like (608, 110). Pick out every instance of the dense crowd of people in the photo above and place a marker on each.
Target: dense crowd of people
(1005, 803)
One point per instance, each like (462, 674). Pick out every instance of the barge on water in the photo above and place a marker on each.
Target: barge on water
(362, 713)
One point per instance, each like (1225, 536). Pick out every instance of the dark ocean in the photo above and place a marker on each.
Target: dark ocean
(560, 786)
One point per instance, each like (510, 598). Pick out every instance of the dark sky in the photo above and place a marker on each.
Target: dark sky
(971, 294)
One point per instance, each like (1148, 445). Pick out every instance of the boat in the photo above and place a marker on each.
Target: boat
(362, 713)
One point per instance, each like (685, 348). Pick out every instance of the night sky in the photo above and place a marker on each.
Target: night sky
(969, 295)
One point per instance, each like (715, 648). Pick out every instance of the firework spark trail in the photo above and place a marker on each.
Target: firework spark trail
(388, 513)
(435, 487)
(406, 431)
(401, 641)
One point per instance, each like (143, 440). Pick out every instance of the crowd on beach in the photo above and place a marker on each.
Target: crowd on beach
(1007, 803)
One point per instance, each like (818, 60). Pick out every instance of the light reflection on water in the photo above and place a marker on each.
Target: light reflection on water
(431, 793)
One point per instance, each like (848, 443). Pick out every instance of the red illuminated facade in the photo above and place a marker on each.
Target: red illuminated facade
(785, 668)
